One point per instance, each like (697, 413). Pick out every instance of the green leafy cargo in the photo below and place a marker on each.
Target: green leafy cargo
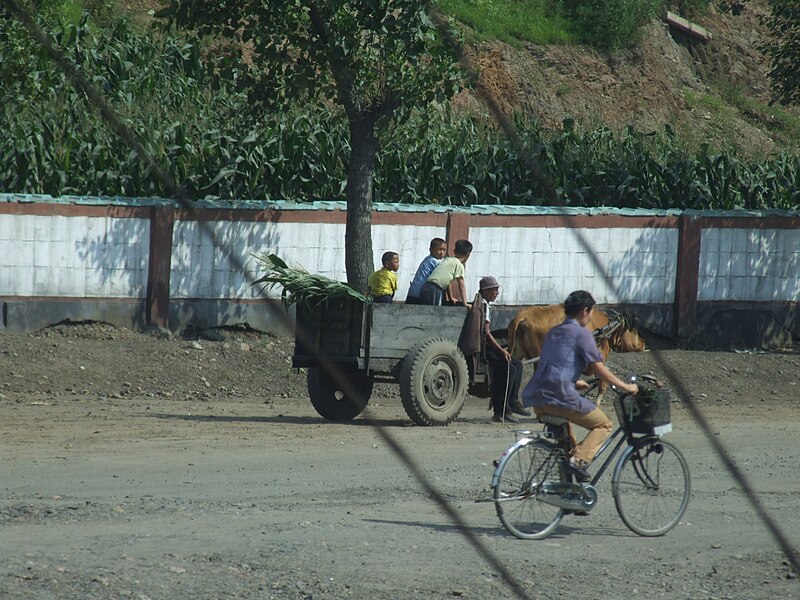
(300, 286)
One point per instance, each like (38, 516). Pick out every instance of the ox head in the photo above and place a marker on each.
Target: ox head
(623, 335)
(627, 340)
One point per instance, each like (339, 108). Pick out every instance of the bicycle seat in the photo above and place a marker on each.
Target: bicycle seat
(551, 420)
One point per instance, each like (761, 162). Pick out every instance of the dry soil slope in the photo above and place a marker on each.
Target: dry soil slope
(668, 78)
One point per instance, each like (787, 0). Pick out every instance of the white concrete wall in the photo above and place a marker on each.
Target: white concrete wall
(200, 264)
(213, 260)
(543, 265)
(105, 257)
(83, 257)
(749, 265)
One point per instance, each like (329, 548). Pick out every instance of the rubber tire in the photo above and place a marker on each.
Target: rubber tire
(433, 382)
(674, 498)
(527, 518)
(331, 402)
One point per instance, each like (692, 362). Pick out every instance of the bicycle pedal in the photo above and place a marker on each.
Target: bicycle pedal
(577, 513)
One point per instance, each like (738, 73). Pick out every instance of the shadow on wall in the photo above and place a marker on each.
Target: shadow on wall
(753, 277)
(745, 328)
(645, 272)
(211, 274)
(750, 265)
(626, 269)
(114, 258)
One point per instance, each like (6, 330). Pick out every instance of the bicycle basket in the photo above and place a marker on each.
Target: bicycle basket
(646, 412)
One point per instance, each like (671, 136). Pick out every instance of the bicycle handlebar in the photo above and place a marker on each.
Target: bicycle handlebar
(594, 381)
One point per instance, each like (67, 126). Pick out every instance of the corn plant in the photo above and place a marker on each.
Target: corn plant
(300, 286)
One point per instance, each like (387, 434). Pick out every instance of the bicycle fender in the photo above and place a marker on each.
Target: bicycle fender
(522, 442)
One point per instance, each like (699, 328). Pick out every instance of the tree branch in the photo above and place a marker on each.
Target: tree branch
(341, 74)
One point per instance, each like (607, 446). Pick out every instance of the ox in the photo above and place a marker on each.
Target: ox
(528, 327)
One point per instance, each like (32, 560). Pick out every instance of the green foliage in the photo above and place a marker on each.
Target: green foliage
(611, 24)
(651, 171)
(363, 55)
(688, 8)
(378, 60)
(208, 136)
(513, 21)
(784, 49)
(300, 286)
(603, 24)
(70, 11)
(59, 143)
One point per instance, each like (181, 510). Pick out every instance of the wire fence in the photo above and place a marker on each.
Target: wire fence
(97, 102)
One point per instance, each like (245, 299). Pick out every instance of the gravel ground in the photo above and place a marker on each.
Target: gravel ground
(136, 466)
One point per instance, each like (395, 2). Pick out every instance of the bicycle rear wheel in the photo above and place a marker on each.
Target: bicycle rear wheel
(516, 495)
(651, 486)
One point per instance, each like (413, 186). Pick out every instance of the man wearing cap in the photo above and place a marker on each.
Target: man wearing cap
(506, 373)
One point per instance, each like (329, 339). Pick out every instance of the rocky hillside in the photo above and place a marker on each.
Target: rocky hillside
(714, 91)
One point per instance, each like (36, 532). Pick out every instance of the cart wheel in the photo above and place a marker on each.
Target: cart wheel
(331, 402)
(433, 382)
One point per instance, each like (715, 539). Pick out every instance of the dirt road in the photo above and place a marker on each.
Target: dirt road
(138, 467)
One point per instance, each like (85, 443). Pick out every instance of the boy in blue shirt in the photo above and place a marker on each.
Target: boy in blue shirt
(438, 249)
(446, 272)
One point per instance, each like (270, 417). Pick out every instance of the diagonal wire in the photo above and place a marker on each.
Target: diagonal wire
(302, 336)
(341, 380)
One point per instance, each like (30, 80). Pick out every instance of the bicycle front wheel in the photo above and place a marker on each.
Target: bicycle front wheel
(651, 486)
(519, 489)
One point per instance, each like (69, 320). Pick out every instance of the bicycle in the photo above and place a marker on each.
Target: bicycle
(534, 489)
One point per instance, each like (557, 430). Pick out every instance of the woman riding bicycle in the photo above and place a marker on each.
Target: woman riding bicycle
(567, 351)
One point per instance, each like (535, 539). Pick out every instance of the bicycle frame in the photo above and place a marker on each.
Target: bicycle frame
(626, 438)
(524, 441)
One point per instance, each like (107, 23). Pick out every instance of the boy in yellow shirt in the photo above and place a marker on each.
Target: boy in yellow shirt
(383, 282)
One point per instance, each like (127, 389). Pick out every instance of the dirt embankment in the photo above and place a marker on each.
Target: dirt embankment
(713, 91)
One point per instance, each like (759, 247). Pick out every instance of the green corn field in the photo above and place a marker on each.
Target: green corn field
(210, 137)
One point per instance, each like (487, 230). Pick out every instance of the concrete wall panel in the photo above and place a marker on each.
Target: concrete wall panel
(77, 256)
(747, 265)
(546, 264)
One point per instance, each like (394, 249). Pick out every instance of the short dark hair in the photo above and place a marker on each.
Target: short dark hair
(577, 301)
(463, 248)
(388, 256)
(436, 242)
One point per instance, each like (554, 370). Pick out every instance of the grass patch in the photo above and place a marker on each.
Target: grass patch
(781, 122)
(513, 22)
(704, 100)
(775, 118)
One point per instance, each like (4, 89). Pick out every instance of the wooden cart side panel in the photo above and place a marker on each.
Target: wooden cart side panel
(395, 328)
(335, 330)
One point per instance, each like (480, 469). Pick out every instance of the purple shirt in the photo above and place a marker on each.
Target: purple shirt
(567, 350)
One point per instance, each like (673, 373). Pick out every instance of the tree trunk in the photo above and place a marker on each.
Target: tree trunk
(360, 174)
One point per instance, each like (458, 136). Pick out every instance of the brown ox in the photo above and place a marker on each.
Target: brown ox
(528, 327)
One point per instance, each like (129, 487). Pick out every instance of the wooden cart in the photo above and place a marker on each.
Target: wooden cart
(413, 345)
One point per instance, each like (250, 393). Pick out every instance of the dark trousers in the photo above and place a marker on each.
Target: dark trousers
(503, 374)
(386, 299)
(431, 294)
